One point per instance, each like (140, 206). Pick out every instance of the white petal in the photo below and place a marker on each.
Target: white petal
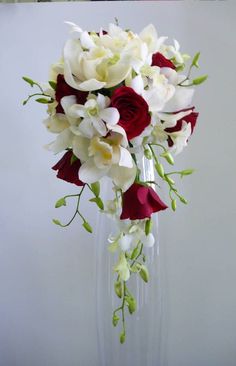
(121, 131)
(125, 158)
(137, 84)
(76, 111)
(63, 141)
(182, 99)
(86, 128)
(86, 40)
(90, 173)
(110, 115)
(74, 27)
(102, 101)
(170, 120)
(117, 73)
(99, 126)
(80, 146)
(67, 102)
(148, 240)
(122, 177)
(125, 242)
(56, 123)
(90, 85)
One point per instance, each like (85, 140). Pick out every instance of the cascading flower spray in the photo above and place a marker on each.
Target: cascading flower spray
(113, 95)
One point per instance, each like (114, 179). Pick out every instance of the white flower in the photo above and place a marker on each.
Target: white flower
(93, 69)
(96, 118)
(56, 123)
(180, 138)
(149, 36)
(105, 156)
(122, 268)
(181, 99)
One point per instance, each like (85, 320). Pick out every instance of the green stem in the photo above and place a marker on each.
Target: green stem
(77, 207)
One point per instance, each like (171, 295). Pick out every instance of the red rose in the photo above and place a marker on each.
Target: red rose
(159, 60)
(63, 89)
(68, 169)
(139, 202)
(133, 109)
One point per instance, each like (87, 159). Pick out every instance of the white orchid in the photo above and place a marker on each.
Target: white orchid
(180, 138)
(122, 267)
(95, 116)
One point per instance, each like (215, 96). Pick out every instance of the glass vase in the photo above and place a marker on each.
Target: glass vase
(142, 346)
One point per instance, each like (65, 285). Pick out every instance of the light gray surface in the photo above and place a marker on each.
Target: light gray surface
(47, 309)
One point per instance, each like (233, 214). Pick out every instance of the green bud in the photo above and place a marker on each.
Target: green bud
(28, 80)
(60, 202)
(160, 169)
(195, 60)
(52, 84)
(199, 80)
(148, 154)
(115, 319)
(168, 157)
(186, 172)
(169, 180)
(144, 274)
(148, 226)
(135, 252)
(43, 100)
(173, 205)
(183, 200)
(131, 304)
(135, 268)
(56, 222)
(180, 68)
(96, 188)
(87, 227)
(122, 337)
(98, 202)
(73, 159)
(118, 289)
(144, 258)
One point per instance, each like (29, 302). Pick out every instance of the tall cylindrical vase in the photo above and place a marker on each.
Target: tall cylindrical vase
(143, 328)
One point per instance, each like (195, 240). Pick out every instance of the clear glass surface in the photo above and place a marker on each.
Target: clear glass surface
(143, 328)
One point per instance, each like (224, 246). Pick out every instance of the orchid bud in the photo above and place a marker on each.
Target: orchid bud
(195, 60)
(115, 319)
(169, 180)
(57, 222)
(135, 252)
(186, 172)
(87, 227)
(122, 337)
(148, 226)
(131, 304)
(118, 289)
(95, 188)
(168, 157)
(173, 205)
(199, 80)
(148, 154)
(160, 169)
(144, 273)
(60, 202)
(183, 200)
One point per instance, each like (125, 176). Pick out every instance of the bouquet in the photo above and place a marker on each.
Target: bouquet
(113, 95)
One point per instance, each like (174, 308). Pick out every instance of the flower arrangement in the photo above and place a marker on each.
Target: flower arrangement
(113, 95)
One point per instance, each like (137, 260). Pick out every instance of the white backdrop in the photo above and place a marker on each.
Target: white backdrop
(47, 304)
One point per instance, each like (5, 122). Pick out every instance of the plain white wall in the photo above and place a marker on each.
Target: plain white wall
(47, 304)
